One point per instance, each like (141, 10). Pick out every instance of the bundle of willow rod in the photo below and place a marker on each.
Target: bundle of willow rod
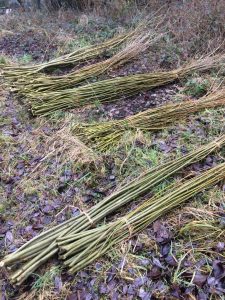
(38, 250)
(43, 83)
(104, 135)
(79, 250)
(81, 55)
(13, 73)
(112, 89)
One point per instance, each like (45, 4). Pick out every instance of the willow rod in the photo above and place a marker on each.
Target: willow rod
(79, 250)
(38, 250)
(45, 83)
(104, 135)
(109, 90)
(81, 55)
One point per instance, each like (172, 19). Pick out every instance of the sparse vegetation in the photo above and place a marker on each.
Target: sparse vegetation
(3, 60)
(48, 176)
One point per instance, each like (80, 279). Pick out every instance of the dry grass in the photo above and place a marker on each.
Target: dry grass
(193, 27)
(68, 148)
(197, 25)
(47, 292)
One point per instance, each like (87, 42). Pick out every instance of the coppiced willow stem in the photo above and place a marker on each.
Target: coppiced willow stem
(82, 249)
(104, 135)
(81, 55)
(38, 250)
(111, 90)
(39, 83)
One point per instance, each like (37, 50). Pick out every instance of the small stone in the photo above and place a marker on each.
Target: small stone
(112, 177)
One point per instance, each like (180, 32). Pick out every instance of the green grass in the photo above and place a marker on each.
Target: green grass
(196, 87)
(2, 208)
(25, 59)
(133, 159)
(4, 120)
(5, 140)
(77, 43)
(3, 60)
(46, 280)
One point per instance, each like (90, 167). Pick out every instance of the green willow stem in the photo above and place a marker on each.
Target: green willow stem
(109, 90)
(104, 135)
(14, 73)
(84, 250)
(27, 259)
(40, 83)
